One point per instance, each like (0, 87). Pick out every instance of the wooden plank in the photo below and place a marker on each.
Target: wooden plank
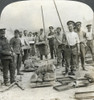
(43, 84)
(42, 81)
(63, 87)
(70, 86)
(84, 95)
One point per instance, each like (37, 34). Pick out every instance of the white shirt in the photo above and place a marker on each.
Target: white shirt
(89, 35)
(72, 38)
(22, 41)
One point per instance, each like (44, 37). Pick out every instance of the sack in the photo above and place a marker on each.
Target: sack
(49, 76)
(28, 64)
(50, 68)
(34, 78)
(90, 77)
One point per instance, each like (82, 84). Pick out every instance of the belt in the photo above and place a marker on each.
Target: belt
(89, 40)
(68, 46)
(73, 46)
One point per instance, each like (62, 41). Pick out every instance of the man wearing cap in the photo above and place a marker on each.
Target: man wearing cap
(58, 45)
(6, 58)
(71, 40)
(51, 41)
(82, 37)
(89, 37)
(16, 45)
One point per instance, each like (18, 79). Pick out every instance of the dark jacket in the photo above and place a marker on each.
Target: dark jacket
(16, 45)
(5, 49)
(51, 40)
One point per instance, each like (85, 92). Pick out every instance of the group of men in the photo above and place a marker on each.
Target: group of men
(66, 47)
(72, 46)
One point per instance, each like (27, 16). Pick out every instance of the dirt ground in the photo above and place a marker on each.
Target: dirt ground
(43, 93)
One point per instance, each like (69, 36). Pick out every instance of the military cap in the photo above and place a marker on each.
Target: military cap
(3, 30)
(88, 25)
(41, 29)
(70, 22)
(36, 32)
(51, 27)
(16, 31)
(78, 23)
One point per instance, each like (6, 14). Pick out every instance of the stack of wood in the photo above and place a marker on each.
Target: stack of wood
(67, 83)
(43, 76)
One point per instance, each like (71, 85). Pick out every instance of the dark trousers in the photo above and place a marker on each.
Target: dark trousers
(32, 50)
(70, 55)
(52, 51)
(82, 54)
(18, 62)
(91, 48)
(59, 54)
(26, 54)
(41, 57)
(63, 58)
(8, 65)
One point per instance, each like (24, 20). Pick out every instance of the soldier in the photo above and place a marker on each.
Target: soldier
(58, 45)
(71, 48)
(6, 58)
(51, 41)
(89, 37)
(15, 43)
(82, 37)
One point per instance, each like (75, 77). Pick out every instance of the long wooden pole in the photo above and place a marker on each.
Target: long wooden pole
(59, 16)
(61, 22)
(43, 19)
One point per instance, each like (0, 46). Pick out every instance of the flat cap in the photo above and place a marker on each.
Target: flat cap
(88, 25)
(70, 22)
(41, 29)
(78, 23)
(59, 28)
(16, 31)
(36, 32)
(51, 27)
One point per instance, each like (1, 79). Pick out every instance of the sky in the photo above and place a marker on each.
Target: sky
(27, 14)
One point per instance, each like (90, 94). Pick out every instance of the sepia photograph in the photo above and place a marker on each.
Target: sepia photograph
(46, 50)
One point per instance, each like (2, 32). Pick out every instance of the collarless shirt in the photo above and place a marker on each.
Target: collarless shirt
(72, 38)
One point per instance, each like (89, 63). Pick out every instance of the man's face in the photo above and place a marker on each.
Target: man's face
(50, 29)
(78, 27)
(2, 34)
(58, 30)
(75, 29)
(41, 31)
(89, 28)
(71, 27)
